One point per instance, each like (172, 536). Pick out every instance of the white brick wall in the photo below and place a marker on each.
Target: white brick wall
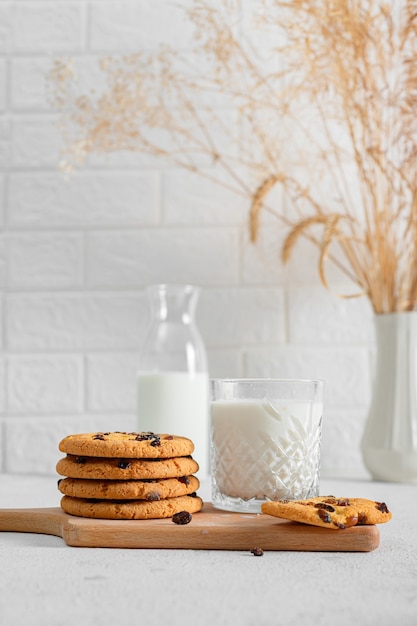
(47, 26)
(44, 384)
(120, 25)
(51, 260)
(97, 199)
(76, 255)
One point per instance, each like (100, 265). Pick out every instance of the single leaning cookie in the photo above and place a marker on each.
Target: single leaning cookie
(130, 509)
(151, 490)
(330, 512)
(127, 445)
(125, 468)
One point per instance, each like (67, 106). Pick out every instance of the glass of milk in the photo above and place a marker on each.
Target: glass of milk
(265, 441)
(172, 380)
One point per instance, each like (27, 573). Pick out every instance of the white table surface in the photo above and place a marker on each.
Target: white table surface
(47, 583)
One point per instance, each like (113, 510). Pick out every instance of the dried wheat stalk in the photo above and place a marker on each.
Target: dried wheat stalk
(338, 92)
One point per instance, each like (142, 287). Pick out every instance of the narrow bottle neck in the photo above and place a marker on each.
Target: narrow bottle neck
(173, 342)
(173, 303)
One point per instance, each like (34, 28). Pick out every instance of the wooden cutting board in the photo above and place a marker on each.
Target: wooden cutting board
(211, 529)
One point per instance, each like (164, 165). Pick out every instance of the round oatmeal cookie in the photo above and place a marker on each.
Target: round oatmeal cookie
(330, 512)
(151, 490)
(125, 468)
(144, 445)
(130, 509)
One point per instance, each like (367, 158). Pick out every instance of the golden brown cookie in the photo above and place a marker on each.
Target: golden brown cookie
(125, 468)
(130, 509)
(144, 445)
(330, 512)
(151, 490)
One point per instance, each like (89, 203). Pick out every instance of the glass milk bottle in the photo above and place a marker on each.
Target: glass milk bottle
(172, 381)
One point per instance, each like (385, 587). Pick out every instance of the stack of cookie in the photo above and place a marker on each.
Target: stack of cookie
(121, 475)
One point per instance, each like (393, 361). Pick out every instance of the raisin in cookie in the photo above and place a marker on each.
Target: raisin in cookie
(125, 468)
(130, 509)
(330, 512)
(151, 490)
(127, 445)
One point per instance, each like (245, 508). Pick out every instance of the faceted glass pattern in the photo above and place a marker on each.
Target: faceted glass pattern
(262, 451)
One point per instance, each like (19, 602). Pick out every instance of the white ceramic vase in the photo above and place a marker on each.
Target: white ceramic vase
(389, 443)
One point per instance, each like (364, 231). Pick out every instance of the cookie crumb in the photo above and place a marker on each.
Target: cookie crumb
(257, 551)
(182, 517)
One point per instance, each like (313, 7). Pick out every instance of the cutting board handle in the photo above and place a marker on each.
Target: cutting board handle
(47, 521)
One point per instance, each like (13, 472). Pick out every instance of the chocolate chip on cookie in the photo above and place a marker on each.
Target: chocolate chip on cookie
(153, 496)
(99, 437)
